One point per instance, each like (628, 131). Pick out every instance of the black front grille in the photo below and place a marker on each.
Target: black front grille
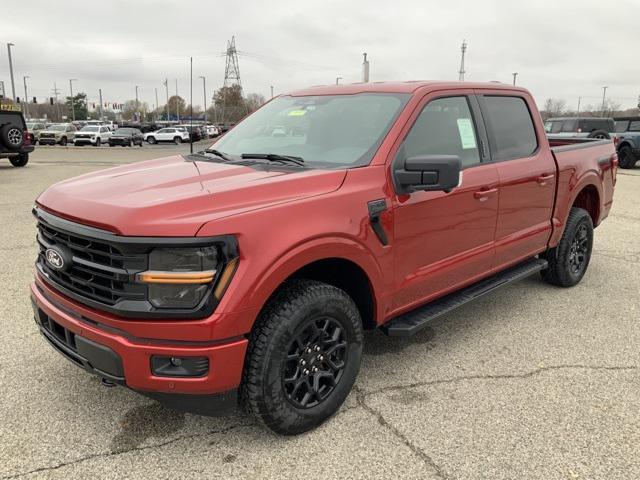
(98, 270)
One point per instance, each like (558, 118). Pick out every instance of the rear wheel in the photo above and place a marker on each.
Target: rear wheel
(626, 158)
(303, 357)
(177, 140)
(600, 134)
(568, 261)
(20, 161)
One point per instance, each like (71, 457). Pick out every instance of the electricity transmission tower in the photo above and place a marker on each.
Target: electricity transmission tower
(463, 50)
(231, 72)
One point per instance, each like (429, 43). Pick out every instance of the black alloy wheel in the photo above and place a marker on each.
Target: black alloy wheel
(315, 362)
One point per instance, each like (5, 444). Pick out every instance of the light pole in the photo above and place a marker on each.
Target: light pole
(271, 91)
(155, 111)
(26, 97)
(73, 108)
(515, 75)
(604, 95)
(204, 89)
(13, 86)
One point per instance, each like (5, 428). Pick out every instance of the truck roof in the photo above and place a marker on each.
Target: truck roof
(400, 87)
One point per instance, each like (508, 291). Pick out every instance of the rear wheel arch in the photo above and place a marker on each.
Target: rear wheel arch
(588, 198)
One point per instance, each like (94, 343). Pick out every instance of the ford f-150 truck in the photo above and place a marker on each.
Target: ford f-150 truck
(247, 273)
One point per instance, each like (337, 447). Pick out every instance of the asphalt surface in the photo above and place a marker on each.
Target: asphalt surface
(532, 382)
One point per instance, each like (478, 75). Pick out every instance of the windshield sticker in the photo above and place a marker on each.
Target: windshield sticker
(467, 135)
(297, 113)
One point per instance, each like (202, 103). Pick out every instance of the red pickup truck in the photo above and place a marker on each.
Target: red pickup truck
(246, 273)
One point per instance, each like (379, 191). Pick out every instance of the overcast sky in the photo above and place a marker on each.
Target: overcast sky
(561, 48)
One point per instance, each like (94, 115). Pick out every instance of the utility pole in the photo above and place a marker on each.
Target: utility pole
(204, 90)
(271, 91)
(56, 91)
(463, 50)
(13, 86)
(365, 69)
(177, 103)
(338, 80)
(26, 97)
(515, 75)
(73, 108)
(101, 112)
(579, 100)
(166, 107)
(604, 95)
(2, 91)
(155, 110)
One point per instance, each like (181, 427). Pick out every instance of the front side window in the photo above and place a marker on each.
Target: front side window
(514, 135)
(326, 131)
(444, 127)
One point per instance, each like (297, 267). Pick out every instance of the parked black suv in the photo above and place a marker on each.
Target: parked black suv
(588, 127)
(15, 143)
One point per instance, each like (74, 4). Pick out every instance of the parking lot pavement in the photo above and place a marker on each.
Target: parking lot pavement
(532, 382)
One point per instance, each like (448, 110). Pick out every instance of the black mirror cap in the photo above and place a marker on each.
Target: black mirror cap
(428, 173)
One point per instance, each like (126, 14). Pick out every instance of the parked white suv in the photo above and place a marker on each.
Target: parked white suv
(171, 134)
(92, 135)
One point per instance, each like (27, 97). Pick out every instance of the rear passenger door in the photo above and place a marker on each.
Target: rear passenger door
(527, 176)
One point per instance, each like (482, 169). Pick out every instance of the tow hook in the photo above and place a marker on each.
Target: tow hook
(107, 383)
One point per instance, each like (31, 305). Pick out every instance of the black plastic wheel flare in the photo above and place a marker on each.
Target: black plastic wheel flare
(579, 249)
(315, 362)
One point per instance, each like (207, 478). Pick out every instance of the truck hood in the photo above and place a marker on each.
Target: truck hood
(175, 196)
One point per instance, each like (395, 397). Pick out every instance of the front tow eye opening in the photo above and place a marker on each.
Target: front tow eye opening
(107, 383)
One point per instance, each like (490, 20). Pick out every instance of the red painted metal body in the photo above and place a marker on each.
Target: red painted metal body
(438, 242)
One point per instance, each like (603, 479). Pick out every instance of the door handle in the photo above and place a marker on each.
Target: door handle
(483, 195)
(542, 179)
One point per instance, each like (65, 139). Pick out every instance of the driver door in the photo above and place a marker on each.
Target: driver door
(445, 240)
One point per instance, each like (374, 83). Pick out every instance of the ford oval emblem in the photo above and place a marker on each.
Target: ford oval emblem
(54, 259)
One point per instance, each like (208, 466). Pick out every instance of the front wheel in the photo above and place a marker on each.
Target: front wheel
(626, 158)
(98, 142)
(568, 261)
(63, 141)
(151, 140)
(303, 357)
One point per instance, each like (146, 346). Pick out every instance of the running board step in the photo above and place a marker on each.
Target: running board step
(412, 322)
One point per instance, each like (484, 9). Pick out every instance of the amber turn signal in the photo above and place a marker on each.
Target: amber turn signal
(176, 277)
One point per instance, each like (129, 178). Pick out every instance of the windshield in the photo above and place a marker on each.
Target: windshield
(621, 126)
(90, 129)
(31, 125)
(58, 128)
(325, 131)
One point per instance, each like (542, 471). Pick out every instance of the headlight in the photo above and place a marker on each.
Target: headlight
(181, 277)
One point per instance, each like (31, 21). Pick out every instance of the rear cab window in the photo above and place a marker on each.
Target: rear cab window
(512, 132)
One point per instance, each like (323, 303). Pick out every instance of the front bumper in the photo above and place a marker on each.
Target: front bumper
(48, 141)
(84, 141)
(122, 358)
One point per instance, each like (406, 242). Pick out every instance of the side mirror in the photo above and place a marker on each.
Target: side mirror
(429, 173)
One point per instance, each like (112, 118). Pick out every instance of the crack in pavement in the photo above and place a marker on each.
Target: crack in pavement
(506, 376)
(360, 398)
(117, 453)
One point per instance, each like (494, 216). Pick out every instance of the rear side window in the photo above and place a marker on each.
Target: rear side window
(512, 127)
(634, 126)
(444, 127)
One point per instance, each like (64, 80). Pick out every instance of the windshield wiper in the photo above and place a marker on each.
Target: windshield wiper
(274, 157)
(218, 153)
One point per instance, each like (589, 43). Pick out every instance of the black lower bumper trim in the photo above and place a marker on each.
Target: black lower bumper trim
(212, 405)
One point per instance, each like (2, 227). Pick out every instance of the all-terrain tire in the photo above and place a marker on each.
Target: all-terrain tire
(626, 158)
(19, 161)
(568, 261)
(277, 352)
(11, 136)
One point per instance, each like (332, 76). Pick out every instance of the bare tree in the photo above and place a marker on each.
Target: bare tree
(553, 107)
